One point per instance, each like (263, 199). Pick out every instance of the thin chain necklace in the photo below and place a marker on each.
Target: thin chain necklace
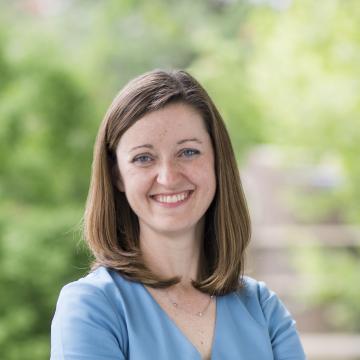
(176, 305)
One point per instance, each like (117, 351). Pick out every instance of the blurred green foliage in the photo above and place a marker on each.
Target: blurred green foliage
(306, 74)
(286, 76)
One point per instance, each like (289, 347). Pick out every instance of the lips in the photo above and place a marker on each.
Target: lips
(173, 198)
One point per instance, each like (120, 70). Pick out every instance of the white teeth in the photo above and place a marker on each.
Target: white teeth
(171, 198)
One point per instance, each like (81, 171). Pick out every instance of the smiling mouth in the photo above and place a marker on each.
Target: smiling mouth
(173, 198)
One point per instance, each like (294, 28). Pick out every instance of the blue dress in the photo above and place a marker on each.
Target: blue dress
(104, 316)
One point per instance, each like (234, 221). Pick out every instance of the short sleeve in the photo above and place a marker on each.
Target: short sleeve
(284, 337)
(86, 325)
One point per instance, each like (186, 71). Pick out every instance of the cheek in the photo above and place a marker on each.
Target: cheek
(126, 173)
(206, 176)
(135, 183)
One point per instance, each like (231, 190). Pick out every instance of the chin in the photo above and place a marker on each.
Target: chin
(174, 229)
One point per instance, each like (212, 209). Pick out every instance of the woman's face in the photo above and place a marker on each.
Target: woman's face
(166, 164)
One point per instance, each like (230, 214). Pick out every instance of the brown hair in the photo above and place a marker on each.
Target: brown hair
(111, 228)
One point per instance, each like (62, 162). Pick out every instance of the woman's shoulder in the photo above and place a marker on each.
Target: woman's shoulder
(261, 302)
(102, 282)
(254, 289)
(101, 277)
(89, 311)
(266, 308)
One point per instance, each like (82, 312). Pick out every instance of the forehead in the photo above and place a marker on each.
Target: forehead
(172, 122)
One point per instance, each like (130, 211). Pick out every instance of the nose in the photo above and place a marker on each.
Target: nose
(169, 174)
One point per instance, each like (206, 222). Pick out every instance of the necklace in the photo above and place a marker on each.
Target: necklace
(176, 305)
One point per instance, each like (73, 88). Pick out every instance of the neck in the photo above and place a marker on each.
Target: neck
(169, 255)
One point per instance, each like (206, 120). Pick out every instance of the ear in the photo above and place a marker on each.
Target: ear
(116, 177)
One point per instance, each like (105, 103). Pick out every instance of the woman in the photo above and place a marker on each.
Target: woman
(167, 222)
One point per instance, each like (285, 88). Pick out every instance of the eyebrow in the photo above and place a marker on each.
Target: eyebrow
(149, 146)
(186, 140)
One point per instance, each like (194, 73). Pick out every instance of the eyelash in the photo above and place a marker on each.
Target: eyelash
(138, 158)
(194, 152)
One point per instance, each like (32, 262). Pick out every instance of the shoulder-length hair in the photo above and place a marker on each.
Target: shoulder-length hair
(111, 228)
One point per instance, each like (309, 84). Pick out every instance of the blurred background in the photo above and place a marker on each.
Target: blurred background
(286, 78)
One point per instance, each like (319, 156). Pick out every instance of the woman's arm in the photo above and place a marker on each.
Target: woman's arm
(86, 325)
(284, 337)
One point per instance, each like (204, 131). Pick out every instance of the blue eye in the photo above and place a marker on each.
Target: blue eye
(142, 159)
(190, 152)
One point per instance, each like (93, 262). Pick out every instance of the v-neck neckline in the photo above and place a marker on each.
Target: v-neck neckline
(182, 334)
